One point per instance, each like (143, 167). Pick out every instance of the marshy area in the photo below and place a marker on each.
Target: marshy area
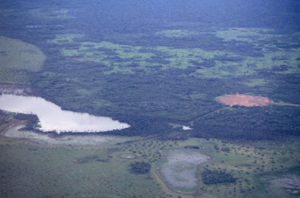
(179, 168)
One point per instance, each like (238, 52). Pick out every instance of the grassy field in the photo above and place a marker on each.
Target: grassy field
(284, 183)
(37, 170)
(17, 58)
(206, 63)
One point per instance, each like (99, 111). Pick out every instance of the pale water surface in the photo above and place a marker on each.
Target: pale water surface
(74, 140)
(180, 167)
(52, 117)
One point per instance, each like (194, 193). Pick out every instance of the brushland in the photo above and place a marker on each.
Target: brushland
(37, 170)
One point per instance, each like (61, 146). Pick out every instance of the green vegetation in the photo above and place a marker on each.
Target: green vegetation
(145, 83)
(77, 171)
(283, 183)
(140, 167)
(18, 59)
(216, 177)
(87, 171)
(31, 120)
(157, 80)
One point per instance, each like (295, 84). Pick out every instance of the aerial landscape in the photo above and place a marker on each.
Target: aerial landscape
(155, 99)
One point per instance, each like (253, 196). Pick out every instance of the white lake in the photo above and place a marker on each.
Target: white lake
(52, 117)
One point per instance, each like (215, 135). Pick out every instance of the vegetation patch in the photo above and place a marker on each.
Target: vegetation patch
(98, 170)
(140, 167)
(86, 159)
(216, 177)
(150, 74)
(18, 55)
(17, 58)
(280, 184)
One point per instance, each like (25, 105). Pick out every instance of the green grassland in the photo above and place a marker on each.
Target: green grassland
(235, 60)
(38, 170)
(18, 59)
(61, 171)
(283, 183)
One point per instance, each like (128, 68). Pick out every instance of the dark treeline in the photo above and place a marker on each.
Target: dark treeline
(216, 177)
(31, 120)
(140, 167)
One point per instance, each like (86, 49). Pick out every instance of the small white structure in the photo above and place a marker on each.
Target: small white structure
(186, 128)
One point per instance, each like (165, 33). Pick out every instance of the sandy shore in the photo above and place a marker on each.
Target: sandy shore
(13, 131)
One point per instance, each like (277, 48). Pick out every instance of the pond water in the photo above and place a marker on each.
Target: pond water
(52, 117)
(180, 167)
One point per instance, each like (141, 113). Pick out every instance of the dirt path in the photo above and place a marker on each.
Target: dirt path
(285, 104)
(12, 124)
(207, 114)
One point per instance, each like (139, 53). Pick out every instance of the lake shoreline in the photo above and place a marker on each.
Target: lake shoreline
(53, 119)
(14, 132)
(162, 177)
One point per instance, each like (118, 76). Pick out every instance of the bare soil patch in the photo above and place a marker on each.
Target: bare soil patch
(244, 100)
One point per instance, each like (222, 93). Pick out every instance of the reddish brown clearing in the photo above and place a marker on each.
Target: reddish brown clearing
(244, 100)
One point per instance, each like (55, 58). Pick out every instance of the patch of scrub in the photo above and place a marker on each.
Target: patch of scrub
(177, 33)
(243, 34)
(65, 38)
(256, 82)
(74, 140)
(245, 52)
(180, 167)
(50, 14)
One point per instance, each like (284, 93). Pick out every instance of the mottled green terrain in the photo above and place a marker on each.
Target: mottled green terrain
(157, 79)
(32, 169)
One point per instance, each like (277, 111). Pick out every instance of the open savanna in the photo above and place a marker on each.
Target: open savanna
(35, 170)
(30, 170)
(245, 161)
(18, 59)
